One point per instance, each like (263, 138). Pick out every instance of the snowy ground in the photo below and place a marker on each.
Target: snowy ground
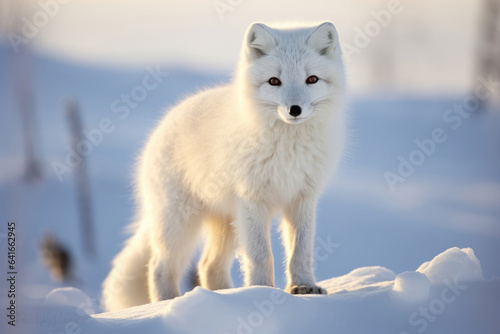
(450, 200)
(445, 295)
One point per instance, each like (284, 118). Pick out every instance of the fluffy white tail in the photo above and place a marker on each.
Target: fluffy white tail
(126, 284)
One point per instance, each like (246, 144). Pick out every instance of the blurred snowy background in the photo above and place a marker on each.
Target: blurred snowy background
(422, 174)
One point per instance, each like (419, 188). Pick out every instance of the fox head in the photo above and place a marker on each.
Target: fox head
(292, 74)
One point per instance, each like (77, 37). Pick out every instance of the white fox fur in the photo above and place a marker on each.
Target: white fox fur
(229, 159)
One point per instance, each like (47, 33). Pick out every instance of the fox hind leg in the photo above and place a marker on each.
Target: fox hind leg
(173, 239)
(214, 267)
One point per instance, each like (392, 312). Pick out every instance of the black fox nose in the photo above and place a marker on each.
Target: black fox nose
(295, 111)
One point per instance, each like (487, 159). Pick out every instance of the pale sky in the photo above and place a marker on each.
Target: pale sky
(429, 45)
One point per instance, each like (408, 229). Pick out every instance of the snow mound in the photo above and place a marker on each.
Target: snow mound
(453, 264)
(357, 279)
(411, 286)
(71, 297)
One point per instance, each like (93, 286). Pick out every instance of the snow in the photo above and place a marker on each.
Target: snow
(411, 286)
(454, 263)
(71, 297)
(367, 298)
(357, 278)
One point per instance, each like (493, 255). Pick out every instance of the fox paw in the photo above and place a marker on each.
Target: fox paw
(306, 290)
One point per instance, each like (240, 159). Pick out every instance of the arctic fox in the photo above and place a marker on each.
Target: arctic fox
(229, 159)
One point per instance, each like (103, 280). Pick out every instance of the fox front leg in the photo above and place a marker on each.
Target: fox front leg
(253, 223)
(298, 237)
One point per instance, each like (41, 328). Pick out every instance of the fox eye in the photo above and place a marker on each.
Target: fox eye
(312, 79)
(274, 81)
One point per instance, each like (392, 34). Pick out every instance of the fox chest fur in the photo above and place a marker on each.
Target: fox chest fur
(282, 164)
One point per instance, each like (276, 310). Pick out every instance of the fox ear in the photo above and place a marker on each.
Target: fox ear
(324, 39)
(259, 41)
